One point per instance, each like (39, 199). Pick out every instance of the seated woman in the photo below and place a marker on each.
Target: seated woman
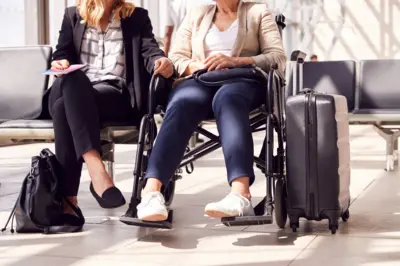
(116, 42)
(229, 34)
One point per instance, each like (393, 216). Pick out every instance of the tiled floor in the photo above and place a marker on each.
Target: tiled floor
(371, 237)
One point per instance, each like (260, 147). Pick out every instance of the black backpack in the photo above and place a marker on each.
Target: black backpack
(39, 207)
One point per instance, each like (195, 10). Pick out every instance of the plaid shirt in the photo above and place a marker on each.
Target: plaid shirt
(104, 53)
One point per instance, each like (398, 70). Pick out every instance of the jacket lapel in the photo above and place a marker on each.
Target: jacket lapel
(205, 25)
(79, 30)
(242, 29)
(128, 44)
(125, 30)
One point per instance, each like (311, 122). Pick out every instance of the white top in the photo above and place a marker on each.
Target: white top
(217, 41)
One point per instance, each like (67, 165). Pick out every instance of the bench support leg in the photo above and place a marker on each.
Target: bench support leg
(108, 157)
(391, 137)
(110, 168)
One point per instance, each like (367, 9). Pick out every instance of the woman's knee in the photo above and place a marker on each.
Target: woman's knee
(76, 81)
(190, 96)
(76, 76)
(72, 81)
(229, 95)
(241, 95)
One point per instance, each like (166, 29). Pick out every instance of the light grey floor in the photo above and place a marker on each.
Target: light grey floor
(371, 237)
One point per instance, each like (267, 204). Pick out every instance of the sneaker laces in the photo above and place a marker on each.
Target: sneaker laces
(148, 199)
(237, 202)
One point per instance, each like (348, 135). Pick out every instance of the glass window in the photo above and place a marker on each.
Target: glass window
(12, 23)
(57, 8)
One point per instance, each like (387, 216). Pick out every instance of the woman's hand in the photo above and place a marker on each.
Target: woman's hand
(59, 64)
(220, 61)
(164, 67)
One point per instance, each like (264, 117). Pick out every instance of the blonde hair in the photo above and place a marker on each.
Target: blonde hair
(92, 11)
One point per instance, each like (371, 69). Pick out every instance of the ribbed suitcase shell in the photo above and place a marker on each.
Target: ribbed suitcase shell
(318, 156)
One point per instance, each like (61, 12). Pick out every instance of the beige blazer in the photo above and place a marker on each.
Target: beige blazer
(258, 37)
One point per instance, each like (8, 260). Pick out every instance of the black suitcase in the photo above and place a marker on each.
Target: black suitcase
(317, 158)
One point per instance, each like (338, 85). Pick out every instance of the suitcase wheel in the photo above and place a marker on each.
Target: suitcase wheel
(346, 216)
(333, 226)
(294, 226)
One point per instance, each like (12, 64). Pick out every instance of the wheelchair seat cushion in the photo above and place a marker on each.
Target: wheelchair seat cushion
(218, 78)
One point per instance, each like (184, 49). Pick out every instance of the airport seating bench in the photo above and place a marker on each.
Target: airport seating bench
(21, 95)
(372, 91)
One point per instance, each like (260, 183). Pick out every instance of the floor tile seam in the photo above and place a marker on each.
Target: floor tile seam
(218, 229)
(302, 250)
(362, 192)
(222, 229)
(122, 225)
(372, 237)
(5, 195)
(86, 258)
(44, 256)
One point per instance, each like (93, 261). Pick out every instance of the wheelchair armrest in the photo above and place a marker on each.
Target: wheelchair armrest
(275, 71)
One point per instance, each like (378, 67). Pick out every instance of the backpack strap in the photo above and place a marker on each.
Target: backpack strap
(11, 217)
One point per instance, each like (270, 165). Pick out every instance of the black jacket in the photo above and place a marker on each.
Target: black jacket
(141, 50)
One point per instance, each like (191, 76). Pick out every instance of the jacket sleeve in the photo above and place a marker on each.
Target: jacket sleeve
(181, 54)
(270, 43)
(150, 50)
(65, 46)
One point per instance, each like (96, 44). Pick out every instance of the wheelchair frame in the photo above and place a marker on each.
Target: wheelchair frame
(273, 166)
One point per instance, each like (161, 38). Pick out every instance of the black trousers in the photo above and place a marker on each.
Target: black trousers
(78, 108)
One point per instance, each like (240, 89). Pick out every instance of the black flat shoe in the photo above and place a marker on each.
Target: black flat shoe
(111, 198)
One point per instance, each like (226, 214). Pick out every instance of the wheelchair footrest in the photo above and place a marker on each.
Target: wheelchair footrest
(247, 220)
(167, 224)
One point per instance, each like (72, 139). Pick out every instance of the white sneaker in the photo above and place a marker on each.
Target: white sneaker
(232, 205)
(152, 208)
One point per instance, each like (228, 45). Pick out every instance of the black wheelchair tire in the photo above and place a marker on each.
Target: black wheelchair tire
(280, 204)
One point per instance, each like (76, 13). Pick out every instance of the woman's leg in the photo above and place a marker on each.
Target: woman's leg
(189, 104)
(232, 105)
(74, 110)
(65, 152)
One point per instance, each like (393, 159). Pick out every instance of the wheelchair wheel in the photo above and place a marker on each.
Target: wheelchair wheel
(169, 193)
(280, 204)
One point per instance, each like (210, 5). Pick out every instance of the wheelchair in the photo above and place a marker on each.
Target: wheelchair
(269, 118)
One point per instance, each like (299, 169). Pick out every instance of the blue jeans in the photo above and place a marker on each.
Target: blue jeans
(189, 104)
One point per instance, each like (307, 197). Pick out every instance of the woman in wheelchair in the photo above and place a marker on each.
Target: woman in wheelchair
(115, 41)
(230, 34)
